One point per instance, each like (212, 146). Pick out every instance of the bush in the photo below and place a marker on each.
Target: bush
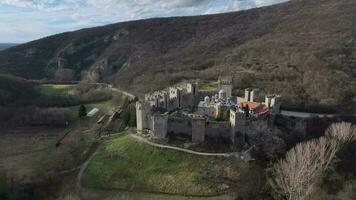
(82, 112)
(129, 113)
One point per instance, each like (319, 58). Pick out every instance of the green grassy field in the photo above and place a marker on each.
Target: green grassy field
(208, 86)
(123, 163)
(67, 90)
(56, 89)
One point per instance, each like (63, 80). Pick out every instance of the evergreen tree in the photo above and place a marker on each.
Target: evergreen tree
(227, 115)
(220, 116)
(126, 117)
(82, 112)
(132, 121)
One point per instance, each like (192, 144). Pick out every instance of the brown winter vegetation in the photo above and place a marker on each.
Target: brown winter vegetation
(32, 166)
(296, 176)
(64, 75)
(342, 132)
(34, 116)
(303, 49)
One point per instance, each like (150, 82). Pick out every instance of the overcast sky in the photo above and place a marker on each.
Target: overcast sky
(26, 20)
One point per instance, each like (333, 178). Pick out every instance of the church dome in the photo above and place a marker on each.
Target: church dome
(222, 91)
(206, 99)
(222, 94)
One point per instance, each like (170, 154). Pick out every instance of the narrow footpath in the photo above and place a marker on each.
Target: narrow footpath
(141, 139)
(83, 167)
(81, 171)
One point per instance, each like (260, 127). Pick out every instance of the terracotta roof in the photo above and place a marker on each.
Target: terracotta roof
(251, 105)
(262, 110)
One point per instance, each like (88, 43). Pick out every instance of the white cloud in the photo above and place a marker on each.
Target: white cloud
(54, 16)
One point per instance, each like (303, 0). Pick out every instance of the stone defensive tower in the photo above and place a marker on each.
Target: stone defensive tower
(237, 127)
(142, 114)
(192, 88)
(273, 102)
(175, 94)
(225, 84)
(160, 125)
(251, 94)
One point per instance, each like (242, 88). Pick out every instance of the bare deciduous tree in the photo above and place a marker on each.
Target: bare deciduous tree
(64, 75)
(342, 132)
(295, 176)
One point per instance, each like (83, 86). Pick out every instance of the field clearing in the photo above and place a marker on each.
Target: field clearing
(103, 106)
(56, 89)
(19, 148)
(25, 143)
(123, 163)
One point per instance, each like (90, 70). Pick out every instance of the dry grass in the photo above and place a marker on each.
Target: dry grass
(18, 151)
(342, 132)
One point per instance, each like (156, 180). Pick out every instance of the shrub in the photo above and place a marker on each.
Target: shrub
(82, 112)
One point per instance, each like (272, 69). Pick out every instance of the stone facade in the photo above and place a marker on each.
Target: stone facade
(251, 94)
(198, 129)
(160, 125)
(168, 113)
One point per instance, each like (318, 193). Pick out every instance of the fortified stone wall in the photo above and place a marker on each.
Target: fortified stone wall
(253, 129)
(149, 122)
(160, 125)
(173, 104)
(198, 129)
(179, 126)
(254, 126)
(218, 130)
(187, 101)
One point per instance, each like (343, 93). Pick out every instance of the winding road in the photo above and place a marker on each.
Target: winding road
(122, 92)
(308, 114)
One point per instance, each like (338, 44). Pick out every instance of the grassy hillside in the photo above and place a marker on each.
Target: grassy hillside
(124, 163)
(303, 49)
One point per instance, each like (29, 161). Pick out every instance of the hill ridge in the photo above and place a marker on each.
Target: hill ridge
(304, 50)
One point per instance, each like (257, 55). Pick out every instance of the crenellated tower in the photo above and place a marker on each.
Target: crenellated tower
(225, 84)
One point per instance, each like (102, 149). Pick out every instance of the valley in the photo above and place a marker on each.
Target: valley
(247, 105)
(299, 49)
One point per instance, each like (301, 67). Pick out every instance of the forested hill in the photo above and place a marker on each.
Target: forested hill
(303, 49)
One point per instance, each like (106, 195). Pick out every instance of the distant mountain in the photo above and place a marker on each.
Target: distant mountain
(6, 45)
(302, 49)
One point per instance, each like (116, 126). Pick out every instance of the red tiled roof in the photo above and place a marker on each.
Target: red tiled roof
(251, 105)
(258, 108)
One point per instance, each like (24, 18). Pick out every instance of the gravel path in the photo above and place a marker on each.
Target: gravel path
(141, 139)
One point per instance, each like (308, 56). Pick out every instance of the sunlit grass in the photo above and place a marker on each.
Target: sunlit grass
(121, 162)
(56, 89)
